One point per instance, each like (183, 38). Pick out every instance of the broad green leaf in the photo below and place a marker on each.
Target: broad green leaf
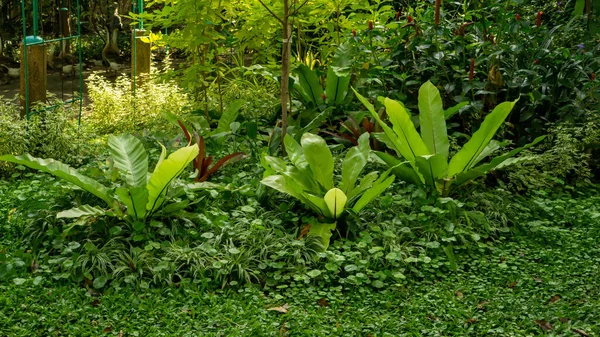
(64, 172)
(401, 169)
(323, 230)
(365, 183)
(295, 153)
(355, 161)
(467, 156)
(432, 168)
(229, 116)
(336, 202)
(492, 147)
(454, 110)
(411, 143)
(135, 199)
(166, 172)
(433, 121)
(291, 188)
(389, 132)
(336, 88)
(317, 202)
(100, 281)
(343, 59)
(130, 158)
(378, 187)
(579, 7)
(481, 170)
(319, 159)
(78, 212)
(175, 207)
(309, 81)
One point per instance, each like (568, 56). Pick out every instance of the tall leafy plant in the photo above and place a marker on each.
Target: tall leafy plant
(310, 179)
(426, 154)
(140, 196)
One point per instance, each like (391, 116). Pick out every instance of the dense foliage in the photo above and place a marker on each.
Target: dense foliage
(421, 168)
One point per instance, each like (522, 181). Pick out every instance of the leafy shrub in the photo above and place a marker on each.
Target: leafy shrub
(260, 97)
(116, 109)
(571, 159)
(51, 133)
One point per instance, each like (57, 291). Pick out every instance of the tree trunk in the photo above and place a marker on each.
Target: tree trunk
(286, 52)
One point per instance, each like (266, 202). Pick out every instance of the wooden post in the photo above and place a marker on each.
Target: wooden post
(140, 62)
(35, 77)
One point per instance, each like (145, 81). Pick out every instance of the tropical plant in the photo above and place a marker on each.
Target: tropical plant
(141, 196)
(337, 83)
(426, 155)
(202, 163)
(310, 179)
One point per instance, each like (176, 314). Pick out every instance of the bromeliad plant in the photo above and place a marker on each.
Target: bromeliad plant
(141, 196)
(310, 180)
(426, 154)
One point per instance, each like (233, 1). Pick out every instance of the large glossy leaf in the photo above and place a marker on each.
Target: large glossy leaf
(432, 168)
(166, 172)
(467, 156)
(411, 143)
(454, 110)
(296, 154)
(229, 116)
(336, 202)
(64, 172)
(309, 81)
(366, 182)
(343, 60)
(433, 122)
(392, 138)
(130, 158)
(322, 230)
(290, 187)
(336, 88)
(135, 199)
(78, 212)
(378, 187)
(319, 159)
(401, 169)
(355, 161)
(481, 170)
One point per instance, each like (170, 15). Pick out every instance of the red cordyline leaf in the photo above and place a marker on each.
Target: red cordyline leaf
(224, 161)
(410, 19)
(398, 13)
(518, 17)
(538, 20)
(472, 70)
(370, 25)
(185, 131)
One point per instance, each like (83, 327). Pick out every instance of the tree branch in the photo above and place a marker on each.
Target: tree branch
(270, 11)
(297, 9)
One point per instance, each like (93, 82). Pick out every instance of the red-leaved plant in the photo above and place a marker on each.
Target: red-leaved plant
(202, 163)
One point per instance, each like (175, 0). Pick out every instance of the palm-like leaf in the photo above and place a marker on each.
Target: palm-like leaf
(130, 158)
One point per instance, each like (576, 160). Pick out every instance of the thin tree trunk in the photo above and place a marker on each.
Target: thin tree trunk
(286, 52)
